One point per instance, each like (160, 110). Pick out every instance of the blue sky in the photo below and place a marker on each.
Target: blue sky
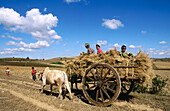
(58, 28)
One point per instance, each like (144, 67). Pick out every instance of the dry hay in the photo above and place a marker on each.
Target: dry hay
(112, 57)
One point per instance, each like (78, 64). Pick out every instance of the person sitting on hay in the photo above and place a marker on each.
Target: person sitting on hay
(124, 53)
(89, 50)
(98, 49)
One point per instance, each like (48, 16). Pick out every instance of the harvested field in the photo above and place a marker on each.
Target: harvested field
(19, 86)
(161, 65)
(22, 71)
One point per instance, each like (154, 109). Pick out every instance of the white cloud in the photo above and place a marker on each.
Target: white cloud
(133, 47)
(9, 51)
(70, 1)
(37, 45)
(102, 42)
(11, 43)
(45, 9)
(3, 36)
(52, 41)
(112, 24)
(67, 50)
(161, 53)
(9, 17)
(57, 42)
(65, 44)
(116, 45)
(14, 38)
(158, 53)
(19, 49)
(143, 32)
(165, 46)
(56, 37)
(34, 23)
(162, 42)
(77, 42)
(108, 47)
(151, 49)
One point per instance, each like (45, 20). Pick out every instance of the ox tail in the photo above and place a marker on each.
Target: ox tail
(66, 84)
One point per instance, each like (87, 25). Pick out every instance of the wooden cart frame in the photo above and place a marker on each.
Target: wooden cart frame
(102, 84)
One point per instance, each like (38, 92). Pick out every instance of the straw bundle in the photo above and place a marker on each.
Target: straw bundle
(112, 57)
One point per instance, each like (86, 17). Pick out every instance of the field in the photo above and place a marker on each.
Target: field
(19, 92)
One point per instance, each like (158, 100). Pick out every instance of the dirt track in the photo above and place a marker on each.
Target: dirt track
(19, 93)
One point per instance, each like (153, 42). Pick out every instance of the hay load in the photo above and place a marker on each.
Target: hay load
(112, 57)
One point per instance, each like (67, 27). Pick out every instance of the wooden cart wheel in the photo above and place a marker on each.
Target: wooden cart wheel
(101, 84)
(127, 86)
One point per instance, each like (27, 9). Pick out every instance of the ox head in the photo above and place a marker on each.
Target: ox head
(40, 75)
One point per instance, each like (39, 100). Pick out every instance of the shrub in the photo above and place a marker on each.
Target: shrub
(157, 84)
(57, 63)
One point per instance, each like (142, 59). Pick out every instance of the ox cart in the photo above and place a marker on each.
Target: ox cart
(103, 83)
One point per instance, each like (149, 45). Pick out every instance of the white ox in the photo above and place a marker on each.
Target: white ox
(55, 77)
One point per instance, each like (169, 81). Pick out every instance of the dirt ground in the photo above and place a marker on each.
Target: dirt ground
(19, 92)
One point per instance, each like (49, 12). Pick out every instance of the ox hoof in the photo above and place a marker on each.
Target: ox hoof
(60, 97)
(41, 91)
(71, 97)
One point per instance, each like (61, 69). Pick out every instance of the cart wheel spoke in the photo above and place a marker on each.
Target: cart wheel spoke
(109, 89)
(93, 75)
(106, 93)
(107, 79)
(90, 87)
(109, 84)
(90, 78)
(101, 94)
(101, 73)
(124, 88)
(106, 74)
(90, 82)
(97, 73)
(97, 95)
(127, 86)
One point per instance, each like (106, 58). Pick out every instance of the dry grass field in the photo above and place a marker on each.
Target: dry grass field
(59, 59)
(22, 71)
(19, 92)
(162, 65)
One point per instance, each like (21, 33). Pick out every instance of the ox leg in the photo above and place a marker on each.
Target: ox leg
(42, 89)
(71, 85)
(65, 90)
(59, 84)
(68, 88)
(60, 92)
(51, 88)
(76, 85)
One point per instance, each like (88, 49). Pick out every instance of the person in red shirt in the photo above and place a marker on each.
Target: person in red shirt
(7, 71)
(33, 74)
(98, 49)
